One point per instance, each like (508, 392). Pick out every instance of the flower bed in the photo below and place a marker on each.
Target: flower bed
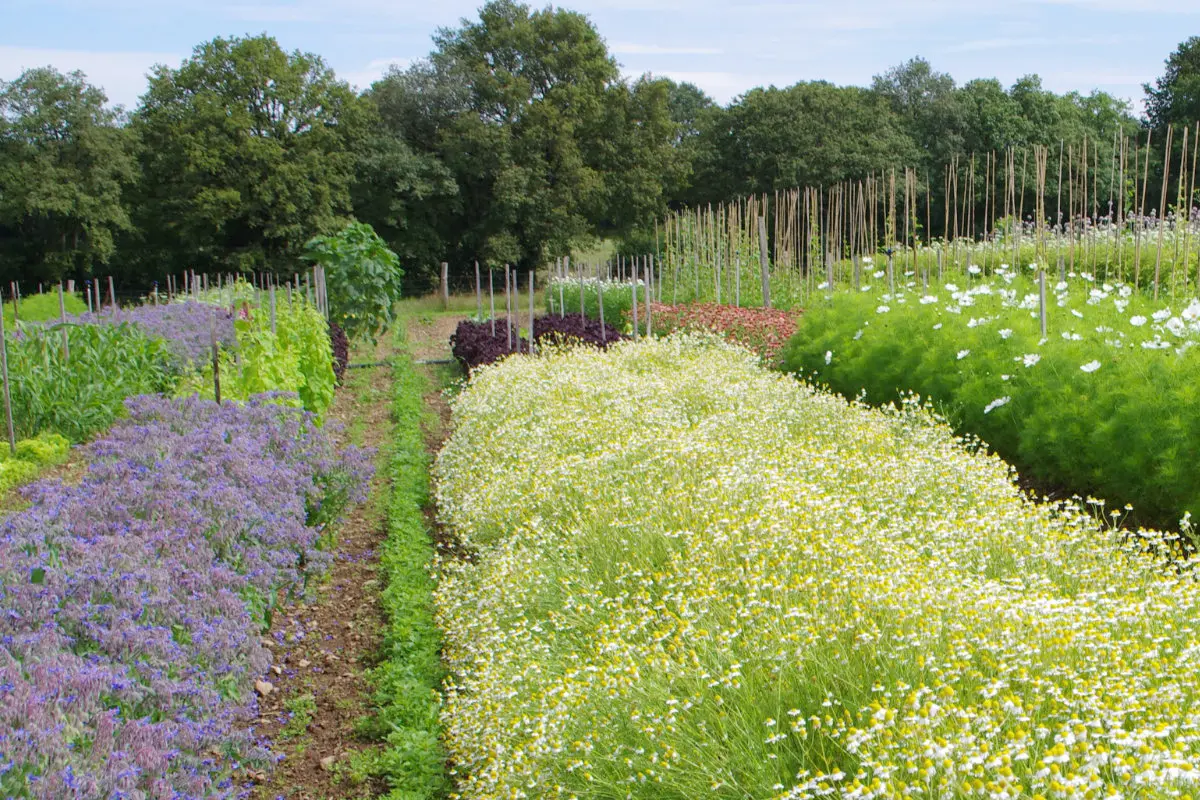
(133, 603)
(691, 577)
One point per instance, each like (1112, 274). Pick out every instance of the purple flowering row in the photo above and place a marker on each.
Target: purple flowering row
(186, 327)
(132, 604)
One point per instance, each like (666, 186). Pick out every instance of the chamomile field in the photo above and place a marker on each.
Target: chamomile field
(696, 577)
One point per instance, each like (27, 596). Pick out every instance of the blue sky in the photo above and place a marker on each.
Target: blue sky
(724, 47)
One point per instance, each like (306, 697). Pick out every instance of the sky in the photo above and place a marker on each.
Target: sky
(722, 46)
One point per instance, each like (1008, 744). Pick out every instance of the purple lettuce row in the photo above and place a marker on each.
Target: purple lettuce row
(186, 327)
(474, 345)
(573, 328)
(131, 605)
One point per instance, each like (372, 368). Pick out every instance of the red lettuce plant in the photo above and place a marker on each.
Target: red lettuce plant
(763, 330)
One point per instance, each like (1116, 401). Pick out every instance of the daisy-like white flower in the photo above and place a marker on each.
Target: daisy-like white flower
(963, 354)
(882, 310)
(973, 270)
(1091, 366)
(1161, 314)
(1029, 359)
(828, 356)
(1137, 320)
(999, 401)
(1005, 333)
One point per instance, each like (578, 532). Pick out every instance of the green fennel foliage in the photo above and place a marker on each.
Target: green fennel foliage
(1106, 405)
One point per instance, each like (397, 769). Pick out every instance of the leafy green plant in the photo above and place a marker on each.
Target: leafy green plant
(42, 307)
(412, 760)
(362, 278)
(31, 457)
(81, 389)
(296, 358)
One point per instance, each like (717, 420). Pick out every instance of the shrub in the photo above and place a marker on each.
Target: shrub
(362, 278)
(42, 308)
(473, 344)
(553, 329)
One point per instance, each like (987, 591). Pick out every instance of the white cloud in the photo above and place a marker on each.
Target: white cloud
(373, 70)
(632, 49)
(122, 75)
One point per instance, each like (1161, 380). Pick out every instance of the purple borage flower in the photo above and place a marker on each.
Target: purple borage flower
(132, 604)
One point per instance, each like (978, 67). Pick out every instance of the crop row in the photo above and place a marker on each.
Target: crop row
(694, 577)
(1106, 404)
(134, 601)
(72, 378)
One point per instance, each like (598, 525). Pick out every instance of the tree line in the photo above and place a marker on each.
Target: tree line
(514, 141)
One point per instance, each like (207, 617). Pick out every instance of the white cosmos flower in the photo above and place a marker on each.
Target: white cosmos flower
(1091, 366)
(1076, 313)
(999, 401)
(828, 356)
(1137, 320)
(937, 327)
(927, 299)
(1161, 314)
(973, 270)
(868, 260)
(882, 310)
(1029, 359)
(963, 354)
(858, 334)
(879, 273)
(1005, 333)
(1176, 327)
(950, 287)
(1005, 377)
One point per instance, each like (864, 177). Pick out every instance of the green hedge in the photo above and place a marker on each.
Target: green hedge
(1125, 429)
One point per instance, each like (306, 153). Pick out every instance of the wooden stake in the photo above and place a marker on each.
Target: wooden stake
(445, 286)
(531, 346)
(478, 294)
(8, 416)
(762, 261)
(62, 318)
(1042, 295)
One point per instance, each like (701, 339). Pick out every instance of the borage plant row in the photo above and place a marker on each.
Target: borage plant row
(134, 601)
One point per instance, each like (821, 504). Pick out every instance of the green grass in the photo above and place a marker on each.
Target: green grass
(411, 760)
(430, 306)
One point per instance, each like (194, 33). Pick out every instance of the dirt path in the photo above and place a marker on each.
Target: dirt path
(323, 648)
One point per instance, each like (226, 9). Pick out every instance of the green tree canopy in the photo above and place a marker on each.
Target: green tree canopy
(64, 164)
(247, 152)
(1174, 97)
